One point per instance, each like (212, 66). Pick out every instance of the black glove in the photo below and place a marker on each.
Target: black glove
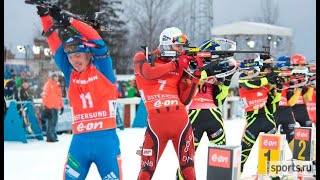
(42, 11)
(279, 82)
(272, 77)
(61, 110)
(55, 13)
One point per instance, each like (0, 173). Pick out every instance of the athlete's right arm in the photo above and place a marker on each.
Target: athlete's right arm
(53, 39)
(187, 88)
(56, 47)
(293, 93)
(307, 93)
(221, 92)
(144, 69)
(252, 84)
(293, 96)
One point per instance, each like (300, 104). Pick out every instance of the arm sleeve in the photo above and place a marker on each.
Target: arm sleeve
(85, 30)
(307, 93)
(277, 97)
(105, 67)
(61, 60)
(143, 68)
(293, 96)
(252, 84)
(187, 88)
(91, 35)
(55, 45)
(273, 99)
(54, 41)
(220, 93)
(45, 92)
(59, 91)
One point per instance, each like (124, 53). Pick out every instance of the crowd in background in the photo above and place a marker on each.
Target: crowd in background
(127, 89)
(13, 81)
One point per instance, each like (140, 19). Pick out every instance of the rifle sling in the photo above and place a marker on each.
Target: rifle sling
(51, 29)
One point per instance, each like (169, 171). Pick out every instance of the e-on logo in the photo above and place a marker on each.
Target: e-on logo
(166, 103)
(219, 158)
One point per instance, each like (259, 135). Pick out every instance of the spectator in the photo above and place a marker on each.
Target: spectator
(20, 78)
(10, 87)
(124, 91)
(7, 75)
(5, 107)
(24, 92)
(132, 88)
(52, 102)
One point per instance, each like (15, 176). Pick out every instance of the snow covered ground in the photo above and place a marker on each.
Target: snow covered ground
(39, 160)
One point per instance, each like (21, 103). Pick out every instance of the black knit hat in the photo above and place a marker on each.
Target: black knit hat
(54, 75)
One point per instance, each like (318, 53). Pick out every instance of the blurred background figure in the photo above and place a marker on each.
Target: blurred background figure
(52, 103)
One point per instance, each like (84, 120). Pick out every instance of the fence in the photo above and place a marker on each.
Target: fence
(127, 109)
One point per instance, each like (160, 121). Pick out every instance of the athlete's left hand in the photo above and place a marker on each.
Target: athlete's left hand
(42, 11)
(55, 13)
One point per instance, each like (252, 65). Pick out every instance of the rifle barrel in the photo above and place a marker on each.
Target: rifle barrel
(239, 51)
(29, 2)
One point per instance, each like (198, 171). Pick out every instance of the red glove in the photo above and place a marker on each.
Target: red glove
(301, 80)
(197, 73)
(199, 61)
(183, 61)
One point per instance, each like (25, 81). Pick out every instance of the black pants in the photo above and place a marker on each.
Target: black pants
(257, 121)
(51, 125)
(284, 117)
(301, 115)
(209, 121)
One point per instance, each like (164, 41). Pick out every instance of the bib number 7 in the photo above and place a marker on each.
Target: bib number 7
(162, 83)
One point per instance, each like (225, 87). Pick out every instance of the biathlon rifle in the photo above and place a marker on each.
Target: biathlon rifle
(92, 20)
(217, 57)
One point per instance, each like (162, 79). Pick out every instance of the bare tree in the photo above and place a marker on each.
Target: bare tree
(148, 18)
(115, 39)
(269, 11)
